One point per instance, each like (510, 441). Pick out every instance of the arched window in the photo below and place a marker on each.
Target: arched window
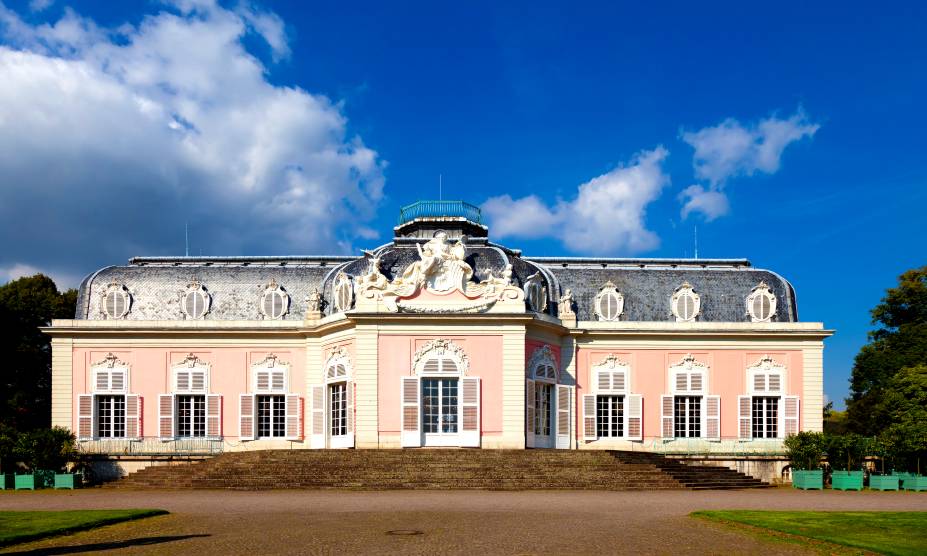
(116, 301)
(333, 403)
(761, 303)
(536, 293)
(196, 301)
(275, 302)
(609, 303)
(685, 303)
(344, 292)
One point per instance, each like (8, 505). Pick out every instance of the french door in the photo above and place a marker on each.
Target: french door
(440, 406)
(543, 418)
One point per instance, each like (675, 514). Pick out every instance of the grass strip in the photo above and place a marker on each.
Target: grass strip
(892, 533)
(19, 527)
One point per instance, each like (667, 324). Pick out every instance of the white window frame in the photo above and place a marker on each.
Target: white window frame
(536, 293)
(273, 366)
(695, 376)
(342, 293)
(609, 289)
(767, 367)
(111, 366)
(339, 359)
(761, 290)
(686, 289)
(604, 375)
(188, 367)
(116, 288)
(542, 370)
(273, 289)
(195, 287)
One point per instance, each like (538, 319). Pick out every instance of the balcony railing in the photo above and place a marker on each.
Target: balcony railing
(152, 446)
(436, 209)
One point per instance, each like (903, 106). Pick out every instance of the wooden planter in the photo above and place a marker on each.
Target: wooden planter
(808, 479)
(67, 480)
(884, 482)
(26, 482)
(846, 480)
(915, 482)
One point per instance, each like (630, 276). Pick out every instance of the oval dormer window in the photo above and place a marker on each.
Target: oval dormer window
(609, 303)
(275, 302)
(196, 301)
(116, 301)
(344, 293)
(761, 303)
(685, 303)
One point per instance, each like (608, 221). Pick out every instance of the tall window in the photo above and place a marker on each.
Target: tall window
(765, 417)
(439, 405)
(688, 416)
(111, 416)
(271, 413)
(609, 420)
(191, 415)
(338, 405)
(542, 408)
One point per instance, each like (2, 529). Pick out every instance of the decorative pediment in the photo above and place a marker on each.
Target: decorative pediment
(542, 357)
(270, 362)
(110, 362)
(689, 363)
(441, 348)
(766, 364)
(610, 362)
(190, 361)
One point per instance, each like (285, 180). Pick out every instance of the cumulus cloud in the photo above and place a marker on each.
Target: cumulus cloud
(606, 217)
(731, 149)
(112, 139)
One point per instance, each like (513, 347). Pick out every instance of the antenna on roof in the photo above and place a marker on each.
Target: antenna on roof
(186, 238)
(696, 241)
(440, 187)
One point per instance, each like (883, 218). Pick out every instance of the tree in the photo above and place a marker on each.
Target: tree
(25, 377)
(899, 341)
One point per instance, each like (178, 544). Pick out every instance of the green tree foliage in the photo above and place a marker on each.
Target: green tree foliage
(805, 450)
(846, 452)
(25, 377)
(899, 341)
(904, 405)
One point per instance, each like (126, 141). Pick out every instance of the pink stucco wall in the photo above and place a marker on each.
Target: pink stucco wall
(727, 376)
(395, 361)
(150, 375)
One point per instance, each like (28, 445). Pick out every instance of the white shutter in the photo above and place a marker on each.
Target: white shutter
(589, 431)
(635, 413)
(246, 408)
(713, 418)
(349, 392)
(619, 381)
(744, 418)
(317, 411)
(529, 413)
(133, 416)
(667, 426)
(603, 381)
(182, 380)
(101, 382)
(470, 412)
(278, 380)
(262, 381)
(198, 380)
(564, 415)
(166, 416)
(85, 412)
(774, 382)
(790, 415)
(294, 417)
(409, 396)
(214, 415)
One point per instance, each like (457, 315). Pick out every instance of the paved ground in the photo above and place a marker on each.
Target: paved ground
(450, 522)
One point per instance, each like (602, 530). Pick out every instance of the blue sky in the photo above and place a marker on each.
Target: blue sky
(301, 128)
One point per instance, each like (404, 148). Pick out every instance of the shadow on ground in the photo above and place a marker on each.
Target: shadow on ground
(96, 547)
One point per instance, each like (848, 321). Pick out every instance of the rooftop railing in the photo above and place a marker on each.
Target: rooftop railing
(436, 209)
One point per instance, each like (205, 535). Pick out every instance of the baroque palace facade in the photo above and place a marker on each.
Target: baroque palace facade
(439, 338)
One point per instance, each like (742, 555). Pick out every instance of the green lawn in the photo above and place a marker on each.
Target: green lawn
(17, 527)
(900, 533)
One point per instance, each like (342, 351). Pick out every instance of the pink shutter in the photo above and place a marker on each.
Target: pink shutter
(166, 416)
(85, 417)
(790, 414)
(529, 413)
(470, 412)
(214, 415)
(294, 417)
(246, 417)
(744, 421)
(713, 418)
(317, 411)
(349, 392)
(133, 416)
(635, 411)
(667, 425)
(589, 432)
(411, 431)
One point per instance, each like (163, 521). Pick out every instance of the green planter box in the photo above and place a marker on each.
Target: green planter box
(27, 482)
(808, 479)
(915, 482)
(6, 481)
(69, 480)
(884, 482)
(846, 480)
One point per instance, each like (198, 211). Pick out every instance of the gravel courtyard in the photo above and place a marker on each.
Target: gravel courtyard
(430, 522)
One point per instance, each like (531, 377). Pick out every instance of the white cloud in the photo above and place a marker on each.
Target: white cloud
(111, 139)
(40, 5)
(13, 271)
(731, 149)
(606, 217)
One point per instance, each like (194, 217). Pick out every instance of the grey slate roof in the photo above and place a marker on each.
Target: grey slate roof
(236, 283)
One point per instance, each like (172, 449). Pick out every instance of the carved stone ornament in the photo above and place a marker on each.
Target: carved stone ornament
(565, 306)
(339, 352)
(542, 356)
(191, 361)
(689, 363)
(314, 301)
(766, 364)
(270, 362)
(611, 361)
(536, 293)
(441, 268)
(442, 348)
(110, 362)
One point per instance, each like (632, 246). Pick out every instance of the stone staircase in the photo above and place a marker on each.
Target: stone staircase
(436, 470)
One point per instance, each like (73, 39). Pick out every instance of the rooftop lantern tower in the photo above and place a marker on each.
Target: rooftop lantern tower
(423, 219)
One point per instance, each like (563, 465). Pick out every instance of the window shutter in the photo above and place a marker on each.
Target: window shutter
(759, 382)
(198, 380)
(246, 417)
(790, 415)
(349, 393)
(262, 381)
(117, 381)
(744, 418)
(102, 381)
(214, 415)
(589, 432)
(603, 381)
(775, 382)
(667, 426)
(635, 413)
(564, 403)
(529, 413)
(695, 382)
(619, 381)
(411, 431)
(183, 381)
(470, 411)
(294, 417)
(85, 428)
(133, 416)
(713, 418)
(317, 413)
(166, 416)
(682, 384)
(278, 380)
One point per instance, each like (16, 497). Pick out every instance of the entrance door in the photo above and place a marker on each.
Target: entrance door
(439, 411)
(543, 415)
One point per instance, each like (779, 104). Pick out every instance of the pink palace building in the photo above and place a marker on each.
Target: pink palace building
(438, 338)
